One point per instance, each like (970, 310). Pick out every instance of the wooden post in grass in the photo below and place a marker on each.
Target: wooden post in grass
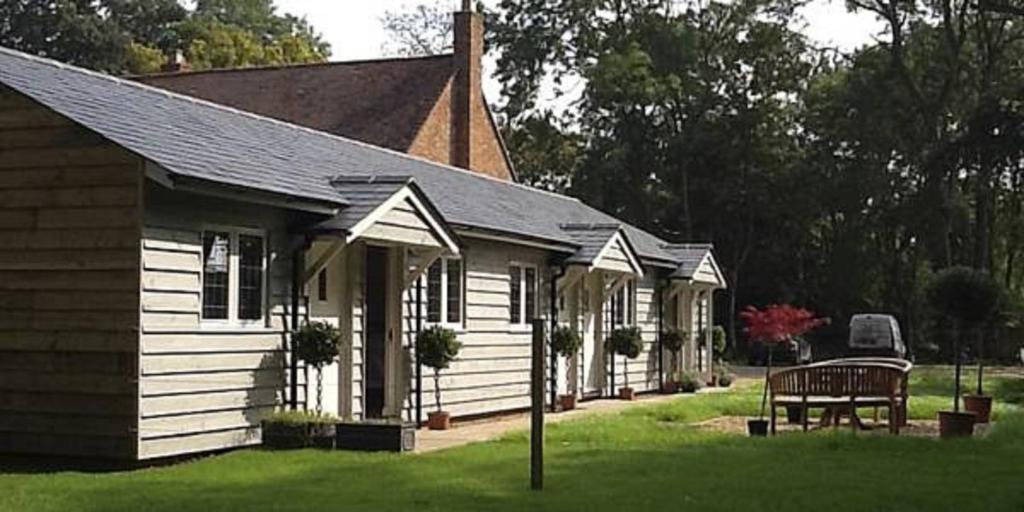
(537, 408)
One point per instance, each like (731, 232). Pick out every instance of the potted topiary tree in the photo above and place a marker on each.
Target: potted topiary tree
(437, 347)
(970, 298)
(672, 340)
(316, 344)
(774, 325)
(626, 342)
(566, 343)
(717, 351)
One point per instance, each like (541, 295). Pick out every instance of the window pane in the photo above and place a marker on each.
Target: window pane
(631, 303)
(250, 277)
(216, 265)
(434, 292)
(321, 285)
(618, 307)
(531, 293)
(514, 290)
(454, 291)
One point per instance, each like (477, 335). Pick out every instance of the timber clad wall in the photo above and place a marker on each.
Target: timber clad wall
(492, 372)
(69, 280)
(205, 387)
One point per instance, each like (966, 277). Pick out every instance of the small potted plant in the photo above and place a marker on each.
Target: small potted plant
(437, 347)
(316, 344)
(566, 342)
(775, 324)
(689, 382)
(970, 297)
(724, 378)
(626, 342)
(672, 340)
(718, 351)
(291, 430)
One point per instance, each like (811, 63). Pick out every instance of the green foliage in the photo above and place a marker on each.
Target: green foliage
(690, 382)
(125, 36)
(725, 379)
(565, 341)
(294, 418)
(640, 451)
(437, 347)
(625, 341)
(718, 340)
(144, 59)
(968, 295)
(317, 343)
(673, 340)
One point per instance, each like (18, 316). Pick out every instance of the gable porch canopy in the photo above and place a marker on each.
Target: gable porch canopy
(697, 265)
(384, 210)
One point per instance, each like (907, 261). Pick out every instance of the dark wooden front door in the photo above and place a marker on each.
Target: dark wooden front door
(376, 329)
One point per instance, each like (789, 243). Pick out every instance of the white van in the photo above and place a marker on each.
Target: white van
(876, 334)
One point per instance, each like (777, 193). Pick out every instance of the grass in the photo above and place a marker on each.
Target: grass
(645, 458)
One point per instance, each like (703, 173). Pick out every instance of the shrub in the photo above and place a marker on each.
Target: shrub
(689, 382)
(724, 377)
(316, 343)
(293, 418)
(565, 341)
(672, 340)
(718, 340)
(625, 341)
(437, 347)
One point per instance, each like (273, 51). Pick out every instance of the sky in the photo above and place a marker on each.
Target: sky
(354, 29)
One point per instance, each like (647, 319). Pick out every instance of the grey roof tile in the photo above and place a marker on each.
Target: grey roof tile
(203, 140)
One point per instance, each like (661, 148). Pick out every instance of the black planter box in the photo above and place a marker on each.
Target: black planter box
(376, 436)
(281, 436)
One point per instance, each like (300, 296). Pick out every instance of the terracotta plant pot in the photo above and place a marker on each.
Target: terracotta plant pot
(956, 424)
(627, 394)
(567, 402)
(439, 420)
(980, 405)
(757, 428)
(670, 387)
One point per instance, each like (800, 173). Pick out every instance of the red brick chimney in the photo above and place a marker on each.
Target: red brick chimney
(466, 85)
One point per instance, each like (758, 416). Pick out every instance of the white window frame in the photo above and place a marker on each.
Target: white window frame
(232, 321)
(629, 317)
(524, 324)
(444, 294)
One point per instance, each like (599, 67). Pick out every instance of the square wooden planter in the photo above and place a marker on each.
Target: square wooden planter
(377, 436)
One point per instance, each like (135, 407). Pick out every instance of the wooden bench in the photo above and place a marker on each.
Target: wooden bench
(842, 384)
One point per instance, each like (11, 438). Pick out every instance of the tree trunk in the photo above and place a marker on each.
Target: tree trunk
(437, 388)
(956, 359)
(767, 375)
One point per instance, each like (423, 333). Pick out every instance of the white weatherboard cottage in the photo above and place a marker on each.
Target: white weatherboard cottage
(153, 249)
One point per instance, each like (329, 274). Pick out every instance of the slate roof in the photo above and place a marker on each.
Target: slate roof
(204, 140)
(381, 102)
(363, 194)
(591, 238)
(689, 257)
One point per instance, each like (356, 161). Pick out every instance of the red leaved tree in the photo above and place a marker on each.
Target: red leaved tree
(777, 324)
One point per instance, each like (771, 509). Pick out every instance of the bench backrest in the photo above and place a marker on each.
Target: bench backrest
(839, 380)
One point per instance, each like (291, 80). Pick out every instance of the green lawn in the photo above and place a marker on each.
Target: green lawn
(646, 458)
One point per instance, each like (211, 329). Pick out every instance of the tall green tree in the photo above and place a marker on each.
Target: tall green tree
(135, 36)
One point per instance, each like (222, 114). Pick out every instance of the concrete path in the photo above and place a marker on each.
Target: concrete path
(486, 430)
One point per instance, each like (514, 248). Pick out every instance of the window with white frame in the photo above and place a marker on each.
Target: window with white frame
(624, 305)
(234, 275)
(522, 295)
(445, 291)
